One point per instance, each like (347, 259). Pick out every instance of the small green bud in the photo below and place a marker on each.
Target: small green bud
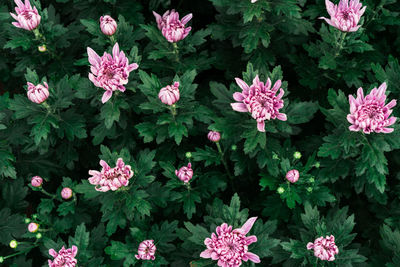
(280, 190)
(297, 155)
(188, 155)
(13, 244)
(1, 259)
(317, 164)
(34, 216)
(311, 180)
(275, 156)
(38, 235)
(27, 220)
(234, 147)
(309, 189)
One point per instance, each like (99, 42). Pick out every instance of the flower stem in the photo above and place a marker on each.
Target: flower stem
(18, 253)
(340, 43)
(112, 39)
(176, 52)
(47, 193)
(221, 154)
(173, 111)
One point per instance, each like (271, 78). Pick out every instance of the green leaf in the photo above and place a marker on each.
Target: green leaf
(81, 238)
(12, 226)
(189, 199)
(177, 130)
(301, 112)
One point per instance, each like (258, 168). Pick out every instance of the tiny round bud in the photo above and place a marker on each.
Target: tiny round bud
(188, 155)
(34, 216)
(66, 193)
(33, 227)
(292, 176)
(317, 164)
(42, 48)
(311, 180)
(13, 244)
(275, 156)
(27, 220)
(36, 181)
(214, 136)
(108, 25)
(38, 235)
(234, 147)
(280, 190)
(297, 155)
(1, 259)
(309, 189)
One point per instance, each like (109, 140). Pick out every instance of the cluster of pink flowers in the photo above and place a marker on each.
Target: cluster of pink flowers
(110, 72)
(260, 100)
(36, 181)
(369, 113)
(64, 258)
(169, 95)
(146, 250)
(27, 17)
(229, 246)
(171, 27)
(111, 178)
(185, 173)
(344, 16)
(324, 248)
(214, 136)
(39, 93)
(108, 25)
(292, 176)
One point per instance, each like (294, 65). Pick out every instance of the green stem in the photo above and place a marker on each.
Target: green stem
(19, 252)
(176, 52)
(221, 154)
(173, 110)
(340, 43)
(112, 39)
(47, 193)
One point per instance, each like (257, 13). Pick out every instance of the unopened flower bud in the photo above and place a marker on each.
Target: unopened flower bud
(275, 156)
(38, 93)
(42, 48)
(33, 227)
(108, 25)
(66, 193)
(292, 176)
(13, 244)
(36, 181)
(38, 235)
(1, 259)
(309, 189)
(297, 155)
(317, 164)
(27, 220)
(214, 136)
(312, 179)
(188, 155)
(234, 147)
(169, 95)
(34, 216)
(185, 173)
(280, 190)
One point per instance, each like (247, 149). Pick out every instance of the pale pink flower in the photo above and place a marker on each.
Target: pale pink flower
(33, 227)
(344, 16)
(39, 93)
(27, 17)
(214, 136)
(110, 72)
(292, 176)
(169, 95)
(260, 100)
(171, 27)
(146, 250)
(185, 173)
(253, 1)
(370, 114)
(64, 258)
(108, 25)
(66, 193)
(324, 248)
(111, 178)
(229, 246)
(36, 181)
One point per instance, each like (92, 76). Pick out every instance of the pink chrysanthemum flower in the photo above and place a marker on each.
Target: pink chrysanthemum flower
(171, 27)
(110, 72)
(185, 173)
(293, 175)
(27, 17)
(66, 193)
(169, 95)
(36, 181)
(324, 248)
(344, 16)
(229, 246)
(111, 178)
(39, 93)
(260, 100)
(370, 114)
(108, 25)
(64, 258)
(146, 250)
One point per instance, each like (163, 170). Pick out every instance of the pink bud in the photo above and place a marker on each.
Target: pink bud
(185, 174)
(292, 176)
(36, 181)
(214, 136)
(33, 227)
(66, 193)
(39, 93)
(108, 25)
(27, 18)
(169, 95)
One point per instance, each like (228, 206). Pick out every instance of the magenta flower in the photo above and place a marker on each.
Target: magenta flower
(214, 136)
(108, 25)
(185, 174)
(66, 193)
(146, 250)
(64, 258)
(292, 176)
(33, 227)
(171, 27)
(260, 100)
(370, 114)
(344, 16)
(110, 72)
(36, 181)
(27, 17)
(231, 247)
(39, 93)
(324, 248)
(169, 95)
(111, 178)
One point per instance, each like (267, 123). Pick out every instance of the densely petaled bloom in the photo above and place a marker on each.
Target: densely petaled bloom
(344, 16)
(369, 113)
(33, 227)
(260, 100)
(64, 258)
(36, 181)
(229, 246)
(110, 72)
(324, 248)
(39, 93)
(111, 178)
(292, 176)
(214, 136)
(27, 17)
(185, 173)
(171, 27)
(169, 95)
(66, 193)
(146, 250)
(108, 25)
